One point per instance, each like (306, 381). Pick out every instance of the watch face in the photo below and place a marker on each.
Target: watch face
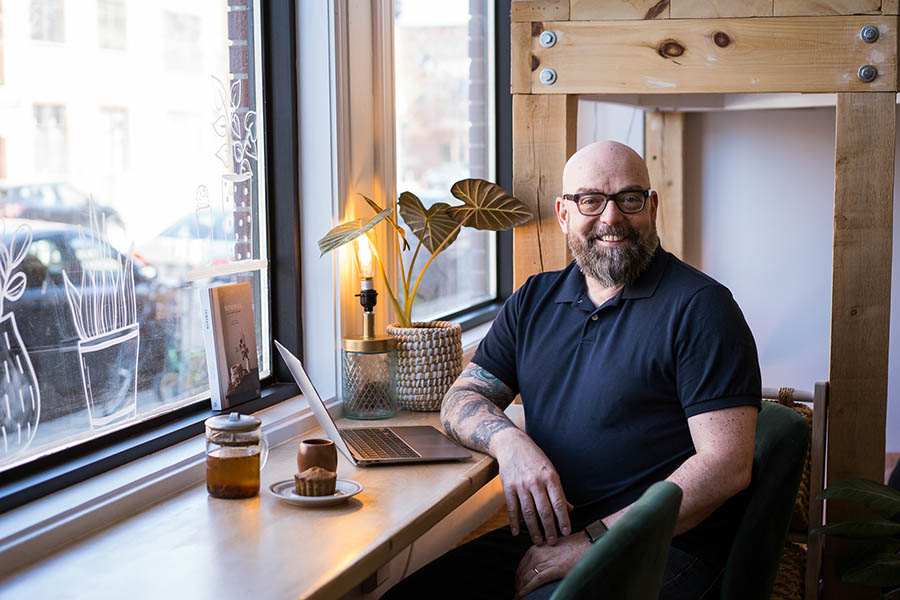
(595, 530)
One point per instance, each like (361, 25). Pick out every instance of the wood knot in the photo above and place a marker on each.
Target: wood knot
(721, 39)
(535, 62)
(670, 49)
(853, 312)
(537, 28)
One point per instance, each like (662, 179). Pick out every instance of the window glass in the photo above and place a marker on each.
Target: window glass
(132, 183)
(444, 102)
(111, 24)
(46, 19)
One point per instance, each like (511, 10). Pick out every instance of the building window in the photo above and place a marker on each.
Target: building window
(47, 20)
(126, 230)
(112, 26)
(114, 135)
(50, 143)
(182, 44)
(444, 102)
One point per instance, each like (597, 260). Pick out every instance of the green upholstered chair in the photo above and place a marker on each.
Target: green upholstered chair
(628, 562)
(782, 437)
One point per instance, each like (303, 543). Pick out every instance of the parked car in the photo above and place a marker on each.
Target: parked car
(57, 201)
(191, 242)
(45, 320)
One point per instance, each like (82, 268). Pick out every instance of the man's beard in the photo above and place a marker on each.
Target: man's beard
(619, 265)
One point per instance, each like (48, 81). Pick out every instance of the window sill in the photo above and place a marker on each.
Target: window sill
(34, 530)
(38, 528)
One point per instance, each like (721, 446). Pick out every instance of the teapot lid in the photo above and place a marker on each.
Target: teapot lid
(233, 422)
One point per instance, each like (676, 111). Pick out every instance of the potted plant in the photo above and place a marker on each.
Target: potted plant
(876, 562)
(104, 310)
(429, 354)
(21, 411)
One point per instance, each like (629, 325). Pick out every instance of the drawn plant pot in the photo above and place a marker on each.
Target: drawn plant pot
(108, 367)
(20, 397)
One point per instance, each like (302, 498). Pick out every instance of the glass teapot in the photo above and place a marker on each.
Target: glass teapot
(236, 451)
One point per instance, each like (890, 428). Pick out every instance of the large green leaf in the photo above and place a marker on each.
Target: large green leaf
(881, 570)
(400, 231)
(861, 530)
(876, 496)
(347, 232)
(487, 206)
(432, 226)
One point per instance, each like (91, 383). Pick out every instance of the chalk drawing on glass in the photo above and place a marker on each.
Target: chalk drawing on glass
(236, 125)
(20, 395)
(104, 309)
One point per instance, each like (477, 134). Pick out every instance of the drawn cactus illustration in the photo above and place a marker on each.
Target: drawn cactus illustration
(20, 396)
(104, 309)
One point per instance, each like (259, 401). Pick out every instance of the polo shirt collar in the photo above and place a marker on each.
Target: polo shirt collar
(574, 288)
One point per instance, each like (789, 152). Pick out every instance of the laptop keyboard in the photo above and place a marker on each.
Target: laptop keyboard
(377, 442)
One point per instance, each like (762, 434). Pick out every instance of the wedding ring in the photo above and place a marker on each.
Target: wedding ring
(536, 572)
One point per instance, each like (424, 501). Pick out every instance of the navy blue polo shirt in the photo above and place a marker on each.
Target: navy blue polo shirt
(607, 391)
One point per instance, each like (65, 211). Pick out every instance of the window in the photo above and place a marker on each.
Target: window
(443, 69)
(50, 144)
(112, 31)
(47, 20)
(136, 197)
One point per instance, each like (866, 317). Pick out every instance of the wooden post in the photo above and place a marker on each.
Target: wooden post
(664, 155)
(544, 129)
(860, 307)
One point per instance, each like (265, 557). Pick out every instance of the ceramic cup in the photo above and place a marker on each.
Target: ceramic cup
(317, 453)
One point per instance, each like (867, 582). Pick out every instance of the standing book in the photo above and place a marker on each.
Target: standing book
(229, 335)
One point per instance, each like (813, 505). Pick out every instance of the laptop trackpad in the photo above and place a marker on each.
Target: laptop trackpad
(431, 443)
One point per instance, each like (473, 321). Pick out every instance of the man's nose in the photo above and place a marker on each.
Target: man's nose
(611, 213)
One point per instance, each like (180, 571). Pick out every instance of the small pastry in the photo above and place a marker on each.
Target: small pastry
(315, 481)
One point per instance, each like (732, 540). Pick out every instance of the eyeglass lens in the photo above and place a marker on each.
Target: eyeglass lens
(627, 202)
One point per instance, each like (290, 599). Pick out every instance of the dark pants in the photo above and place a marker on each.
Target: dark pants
(486, 568)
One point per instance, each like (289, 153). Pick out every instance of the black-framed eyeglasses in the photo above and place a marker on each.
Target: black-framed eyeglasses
(591, 204)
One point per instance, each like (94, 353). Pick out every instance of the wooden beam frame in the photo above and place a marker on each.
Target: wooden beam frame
(664, 155)
(799, 54)
(544, 130)
(659, 52)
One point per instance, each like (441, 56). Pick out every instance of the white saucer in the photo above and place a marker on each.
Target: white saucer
(343, 489)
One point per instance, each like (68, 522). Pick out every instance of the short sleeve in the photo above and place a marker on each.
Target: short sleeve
(716, 359)
(497, 351)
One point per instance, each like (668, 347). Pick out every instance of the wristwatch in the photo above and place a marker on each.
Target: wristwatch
(595, 530)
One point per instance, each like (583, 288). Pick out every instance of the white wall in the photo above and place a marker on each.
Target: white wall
(759, 209)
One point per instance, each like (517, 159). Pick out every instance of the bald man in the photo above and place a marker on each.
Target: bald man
(633, 368)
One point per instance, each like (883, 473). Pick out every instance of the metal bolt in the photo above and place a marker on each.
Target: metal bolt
(867, 73)
(869, 34)
(548, 39)
(548, 76)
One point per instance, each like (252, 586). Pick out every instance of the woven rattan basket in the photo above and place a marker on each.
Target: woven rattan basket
(429, 359)
(789, 583)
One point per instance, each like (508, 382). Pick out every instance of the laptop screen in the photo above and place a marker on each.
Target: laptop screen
(315, 401)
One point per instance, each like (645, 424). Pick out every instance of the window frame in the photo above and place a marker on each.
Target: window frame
(483, 312)
(67, 466)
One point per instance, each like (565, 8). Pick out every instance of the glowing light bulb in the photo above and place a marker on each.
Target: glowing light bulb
(364, 254)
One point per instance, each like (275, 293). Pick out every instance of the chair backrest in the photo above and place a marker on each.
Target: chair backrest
(628, 562)
(782, 437)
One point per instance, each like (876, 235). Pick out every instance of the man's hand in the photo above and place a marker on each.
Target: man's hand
(532, 487)
(543, 564)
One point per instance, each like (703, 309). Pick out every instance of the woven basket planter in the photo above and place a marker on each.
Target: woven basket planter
(429, 359)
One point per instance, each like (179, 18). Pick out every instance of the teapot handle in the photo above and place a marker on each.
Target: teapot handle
(263, 450)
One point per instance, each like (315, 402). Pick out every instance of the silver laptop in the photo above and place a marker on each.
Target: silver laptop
(365, 446)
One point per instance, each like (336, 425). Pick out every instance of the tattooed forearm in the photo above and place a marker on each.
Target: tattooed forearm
(475, 401)
(486, 430)
(480, 381)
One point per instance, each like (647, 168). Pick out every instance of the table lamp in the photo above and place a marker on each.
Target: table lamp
(370, 361)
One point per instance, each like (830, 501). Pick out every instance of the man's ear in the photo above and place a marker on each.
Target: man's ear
(654, 204)
(562, 214)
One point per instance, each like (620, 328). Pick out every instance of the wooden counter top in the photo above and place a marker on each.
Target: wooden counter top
(194, 546)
